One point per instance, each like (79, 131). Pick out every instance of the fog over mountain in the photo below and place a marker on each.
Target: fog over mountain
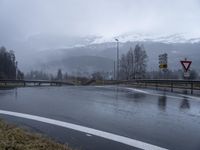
(88, 54)
(101, 56)
(49, 34)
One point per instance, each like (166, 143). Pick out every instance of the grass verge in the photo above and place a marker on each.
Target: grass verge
(14, 138)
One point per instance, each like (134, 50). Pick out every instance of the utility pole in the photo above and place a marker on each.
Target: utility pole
(114, 77)
(117, 59)
(16, 63)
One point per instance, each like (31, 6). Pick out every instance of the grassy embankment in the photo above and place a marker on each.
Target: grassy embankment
(14, 138)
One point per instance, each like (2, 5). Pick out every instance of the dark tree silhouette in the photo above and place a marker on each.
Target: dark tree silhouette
(8, 66)
(59, 75)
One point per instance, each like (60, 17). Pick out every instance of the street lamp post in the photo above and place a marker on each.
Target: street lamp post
(114, 77)
(16, 73)
(117, 59)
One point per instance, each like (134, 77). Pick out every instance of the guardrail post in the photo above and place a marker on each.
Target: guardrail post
(192, 88)
(171, 86)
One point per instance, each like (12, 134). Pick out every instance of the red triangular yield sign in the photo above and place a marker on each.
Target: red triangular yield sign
(186, 64)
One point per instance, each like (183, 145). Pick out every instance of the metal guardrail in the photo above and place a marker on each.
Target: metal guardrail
(172, 84)
(157, 83)
(35, 82)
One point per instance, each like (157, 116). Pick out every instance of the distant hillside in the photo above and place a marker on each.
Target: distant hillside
(83, 64)
(101, 56)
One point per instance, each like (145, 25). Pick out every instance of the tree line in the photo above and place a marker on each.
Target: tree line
(41, 75)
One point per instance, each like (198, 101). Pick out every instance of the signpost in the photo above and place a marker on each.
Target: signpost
(186, 74)
(163, 61)
(186, 66)
(163, 65)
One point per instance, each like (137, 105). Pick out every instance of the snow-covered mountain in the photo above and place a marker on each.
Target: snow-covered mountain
(102, 56)
(81, 50)
(164, 38)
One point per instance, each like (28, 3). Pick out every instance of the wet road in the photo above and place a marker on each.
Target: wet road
(167, 120)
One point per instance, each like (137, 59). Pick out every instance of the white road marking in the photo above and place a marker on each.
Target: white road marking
(181, 96)
(190, 97)
(106, 135)
(88, 135)
(137, 90)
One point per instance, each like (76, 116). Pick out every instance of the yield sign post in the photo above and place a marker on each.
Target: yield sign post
(186, 64)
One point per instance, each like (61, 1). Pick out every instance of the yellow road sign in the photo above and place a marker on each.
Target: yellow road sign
(163, 66)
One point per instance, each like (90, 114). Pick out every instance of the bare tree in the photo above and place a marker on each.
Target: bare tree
(130, 63)
(124, 72)
(140, 62)
(133, 64)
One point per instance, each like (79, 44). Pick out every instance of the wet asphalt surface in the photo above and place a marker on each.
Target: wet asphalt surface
(160, 118)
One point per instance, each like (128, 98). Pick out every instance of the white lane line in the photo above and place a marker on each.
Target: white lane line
(137, 90)
(153, 94)
(106, 135)
(190, 97)
(181, 96)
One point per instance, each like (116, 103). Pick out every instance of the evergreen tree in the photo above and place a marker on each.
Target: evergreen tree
(8, 66)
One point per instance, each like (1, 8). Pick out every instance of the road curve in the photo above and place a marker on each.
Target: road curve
(128, 118)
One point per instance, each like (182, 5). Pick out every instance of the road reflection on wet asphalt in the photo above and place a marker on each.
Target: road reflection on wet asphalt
(168, 120)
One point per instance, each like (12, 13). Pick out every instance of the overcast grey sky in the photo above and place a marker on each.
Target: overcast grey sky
(20, 19)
